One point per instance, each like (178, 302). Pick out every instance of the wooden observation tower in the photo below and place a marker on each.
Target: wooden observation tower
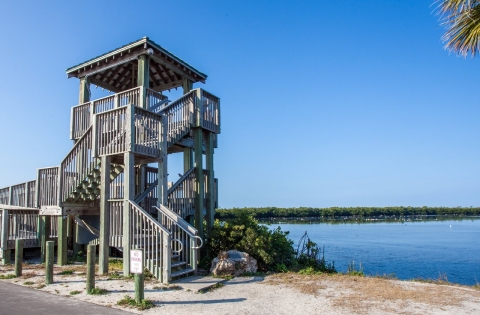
(112, 188)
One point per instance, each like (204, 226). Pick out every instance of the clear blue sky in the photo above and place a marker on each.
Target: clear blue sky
(324, 103)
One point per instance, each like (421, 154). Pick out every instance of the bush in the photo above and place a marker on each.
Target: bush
(270, 248)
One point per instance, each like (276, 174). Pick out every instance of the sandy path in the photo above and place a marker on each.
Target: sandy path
(275, 294)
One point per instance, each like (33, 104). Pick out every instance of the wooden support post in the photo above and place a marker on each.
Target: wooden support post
(140, 283)
(143, 78)
(187, 152)
(199, 181)
(162, 175)
(45, 225)
(129, 194)
(18, 256)
(62, 240)
(167, 255)
(104, 215)
(6, 254)
(210, 191)
(90, 283)
(76, 246)
(84, 95)
(49, 262)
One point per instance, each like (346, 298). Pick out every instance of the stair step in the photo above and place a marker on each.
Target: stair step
(182, 272)
(178, 264)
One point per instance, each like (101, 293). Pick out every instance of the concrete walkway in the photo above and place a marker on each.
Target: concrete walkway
(15, 299)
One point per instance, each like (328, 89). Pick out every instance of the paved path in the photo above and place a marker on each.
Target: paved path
(19, 300)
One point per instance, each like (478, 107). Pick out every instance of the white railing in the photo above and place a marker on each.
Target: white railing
(179, 117)
(81, 120)
(116, 222)
(152, 98)
(131, 96)
(181, 196)
(77, 166)
(47, 183)
(21, 195)
(103, 104)
(186, 236)
(210, 111)
(111, 132)
(147, 132)
(23, 223)
(155, 239)
(128, 128)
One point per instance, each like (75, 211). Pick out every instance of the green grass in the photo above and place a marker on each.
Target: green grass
(75, 292)
(353, 271)
(28, 283)
(9, 276)
(216, 286)
(98, 291)
(143, 305)
(67, 272)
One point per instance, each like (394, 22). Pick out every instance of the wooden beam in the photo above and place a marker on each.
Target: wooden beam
(175, 68)
(167, 73)
(104, 215)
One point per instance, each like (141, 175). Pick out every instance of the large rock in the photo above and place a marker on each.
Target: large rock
(233, 262)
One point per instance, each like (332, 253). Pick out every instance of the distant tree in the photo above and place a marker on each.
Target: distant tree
(462, 20)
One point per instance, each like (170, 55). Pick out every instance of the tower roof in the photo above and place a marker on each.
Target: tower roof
(116, 70)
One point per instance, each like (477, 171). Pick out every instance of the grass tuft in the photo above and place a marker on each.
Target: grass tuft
(9, 276)
(75, 292)
(130, 302)
(98, 291)
(67, 272)
(28, 283)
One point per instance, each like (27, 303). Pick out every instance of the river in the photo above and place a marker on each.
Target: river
(428, 249)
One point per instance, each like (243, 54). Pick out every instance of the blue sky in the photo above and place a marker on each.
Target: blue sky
(324, 103)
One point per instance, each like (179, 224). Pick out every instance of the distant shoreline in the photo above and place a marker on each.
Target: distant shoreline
(348, 213)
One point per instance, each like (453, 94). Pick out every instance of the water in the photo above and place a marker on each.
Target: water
(429, 249)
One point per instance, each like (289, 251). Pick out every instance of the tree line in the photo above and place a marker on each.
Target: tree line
(308, 212)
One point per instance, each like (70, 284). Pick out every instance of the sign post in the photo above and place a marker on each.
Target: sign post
(136, 267)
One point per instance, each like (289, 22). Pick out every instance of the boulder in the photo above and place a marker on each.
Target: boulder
(233, 262)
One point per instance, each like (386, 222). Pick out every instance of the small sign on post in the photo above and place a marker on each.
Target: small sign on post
(136, 261)
(136, 267)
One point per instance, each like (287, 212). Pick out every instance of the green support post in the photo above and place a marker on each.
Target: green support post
(199, 181)
(49, 262)
(6, 254)
(129, 194)
(45, 224)
(62, 240)
(104, 216)
(140, 283)
(210, 184)
(18, 256)
(90, 283)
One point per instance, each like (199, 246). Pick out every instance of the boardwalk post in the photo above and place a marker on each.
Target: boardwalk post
(49, 262)
(90, 268)
(104, 216)
(199, 179)
(4, 238)
(62, 240)
(18, 256)
(210, 191)
(129, 178)
(45, 224)
(140, 279)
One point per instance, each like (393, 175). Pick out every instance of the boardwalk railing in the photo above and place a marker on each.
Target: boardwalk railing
(179, 117)
(47, 186)
(210, 111)
(186, 236)
(181, 196)
(23, 223)
(77, 166)
(21, 195)
(128, 129)
(81, 115)
(155, 239)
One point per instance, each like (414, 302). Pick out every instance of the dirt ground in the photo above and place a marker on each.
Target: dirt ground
(275, 294)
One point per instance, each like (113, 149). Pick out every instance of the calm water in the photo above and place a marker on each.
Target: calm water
(408, 250)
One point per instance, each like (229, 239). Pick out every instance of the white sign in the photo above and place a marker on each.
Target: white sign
(136, 261)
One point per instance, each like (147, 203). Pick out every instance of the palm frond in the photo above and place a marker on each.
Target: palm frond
(462, 21)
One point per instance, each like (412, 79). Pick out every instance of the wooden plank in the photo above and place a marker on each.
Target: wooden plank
(210, 183)
(129, 194)
(62, 240)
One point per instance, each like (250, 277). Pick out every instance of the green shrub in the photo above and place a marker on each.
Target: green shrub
(130, 302)
(269, 248)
